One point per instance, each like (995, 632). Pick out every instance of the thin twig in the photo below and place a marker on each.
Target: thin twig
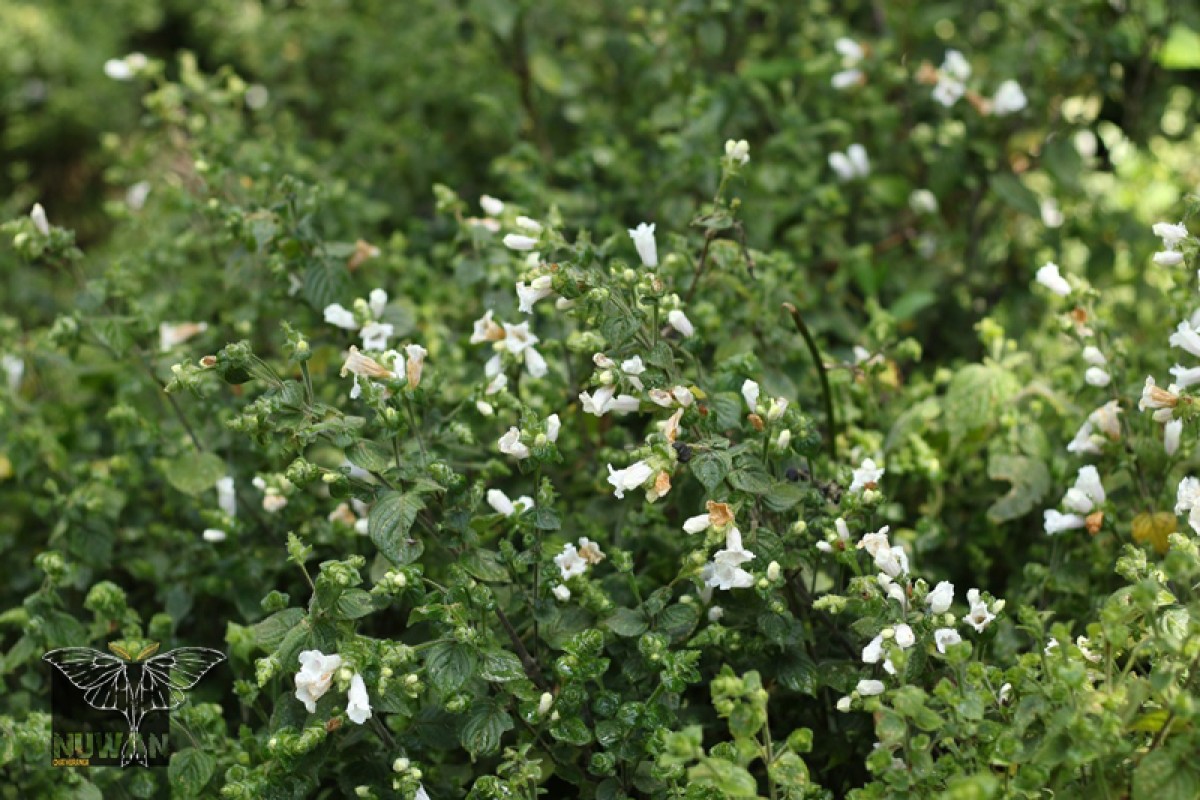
(531, 666)
(822, 373)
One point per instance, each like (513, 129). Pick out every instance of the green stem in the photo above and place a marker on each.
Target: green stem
(822, 373)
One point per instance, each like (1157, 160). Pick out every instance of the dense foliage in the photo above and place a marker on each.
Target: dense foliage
(608, 400)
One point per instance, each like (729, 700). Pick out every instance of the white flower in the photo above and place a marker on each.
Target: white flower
(529, 224)
(1051, 646)
(1171, 234)
(875, 543)
(979, 617)
(643, 240)
(866, 476)
(1105, 418)
(1004, 694)
(679, 321)
(118, 69)
(1185, 376)
(1186, 337)
(750, 395)
(570, 563)
(948, 91)
(315, 676)
(14, 370)
(1087, 492)
(518, 338)
(375, 335)
(1093, 356)
(1171, 433)
(921, 201)
(904, 637)
(697, 524)
(944, 637)
(510, 444)
(38, 215)
(873, 652)
(1009, 99)
(213, 535)
(336, 314)
(377, 302)
(1187, 495)
(414, 363)
(603, 401)
(724, 571)
(553, 426)
(226, 496)
(486, 330)
(893, 561)
(844, 703)
(956, 66)
(1084, 441)
(590, 552)
(491, 206)
(170, 335)
(1168, 258)
(364, 366)
(738, 152)
(562, 593)
(274, 501)
(844, 79)
(1052, 216)
(499, 501)
(940, 598)
(516, 241)
(1052, 279)
(537, 289)
(535, 363)
(869, 688)
(850, 51)
(1095, 376)
(358, 705)
(1054, 521)
(852, 164)
(632, 477)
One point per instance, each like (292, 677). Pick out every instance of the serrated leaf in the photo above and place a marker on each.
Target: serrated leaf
(751, 478)
(679, 620)
(369, 455)
(325, 282)
(710, 468)
(391, 519)
(1030, 482)
(784, 495)
(1166, 774)
(450, 665)
(353, 604)
(485, 724)
(501, 666)
(270, 632)
(485, 565)
(729, 778)
(196, 472)
(977, 394)
(627, 622)
(189, 771)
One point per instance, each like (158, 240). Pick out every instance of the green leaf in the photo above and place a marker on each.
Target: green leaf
(369, 455)
(627, 622)
(784, 495)
(729, 778)
(391, 519)
(1013, 192)
(269, 633)
(189, 771)
(975, 398)
(789, 771)
(196, 472)
(353, 604)
(1181, 50)
(485, 724)
(750, 478)
(679, 620)
(800, 675)
(485, 565)
(325, 282)
(501, 666)
(450, 665)
(711, 468)
(1030, 481)
(1166, 774)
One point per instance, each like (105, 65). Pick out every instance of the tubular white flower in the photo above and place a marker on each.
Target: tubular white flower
(750, 395)
(1096, 376)
(535, 364)
(561, 593)
(1106, 419)
(486, 330)
(980, 616)
(342, 317)
(491, 206)
(315, 676)
(1171, 433)
(518, 337)
(227, 496)
(529, 224)
(364, 366)
(866, 476)
(1168, 258)
(510, 444)
(738, 152)
(375, 335)
(904, 638)
(724, 571)
(38, 215)
(679, 321)
(1171, 234)
(414, 363)
(873, 652)
(632, 477)
(377, 302)
(358, 706)
(940, 598)
(1009, 99)
(869, 688)
(570, 563)
(1186, 337)
(697, 524)
(1185, 376)
(852, 164)
(1093, 356)
(1054, 521)
(213, 535)
(1049, 276)
(516, 241)
(535, 290)
(170, 335)
(643, 241)
(944, 637)
(846, 78)
(500, 503)
(553, 426)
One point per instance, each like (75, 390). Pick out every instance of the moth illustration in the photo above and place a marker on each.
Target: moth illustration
(134, 682)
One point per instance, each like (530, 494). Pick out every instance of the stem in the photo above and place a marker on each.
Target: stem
(412, 419)
(308, 385)
(531, 666)
(822, 373)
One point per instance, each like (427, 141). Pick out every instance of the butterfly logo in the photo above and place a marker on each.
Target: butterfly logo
(134, 682)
